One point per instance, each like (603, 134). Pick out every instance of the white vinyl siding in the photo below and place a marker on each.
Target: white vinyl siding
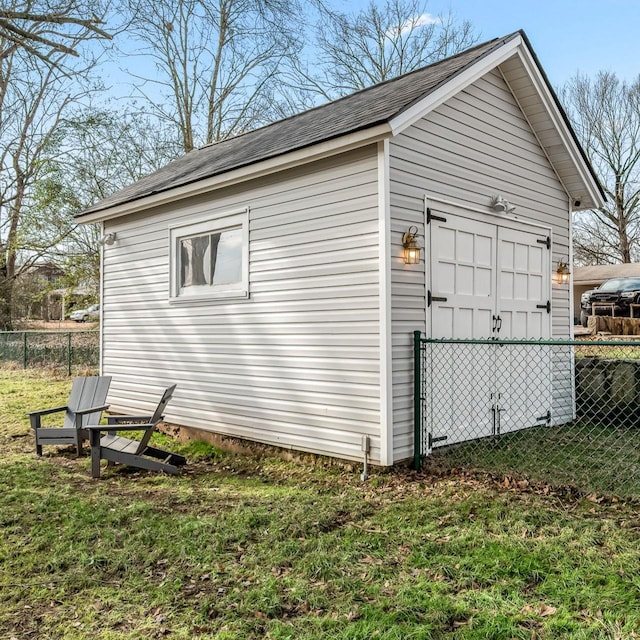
(297, 364)
(476, 145)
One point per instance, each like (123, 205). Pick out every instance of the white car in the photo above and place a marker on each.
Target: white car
(83, 315)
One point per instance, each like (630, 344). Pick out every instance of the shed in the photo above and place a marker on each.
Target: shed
(266, 273)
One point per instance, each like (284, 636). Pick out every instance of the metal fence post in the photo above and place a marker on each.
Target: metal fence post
(24, 350)
(417, 401)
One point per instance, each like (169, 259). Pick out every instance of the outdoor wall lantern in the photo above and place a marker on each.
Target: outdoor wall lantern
(562, 272)
(411, 246)
(108, 239)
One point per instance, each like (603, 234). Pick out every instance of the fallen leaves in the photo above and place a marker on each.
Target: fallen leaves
(540, 609)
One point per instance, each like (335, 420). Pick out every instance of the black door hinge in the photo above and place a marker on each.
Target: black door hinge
(546, 417)
(545, 306)
(433, 440)
(432, 298)
(546, 241)
(431, 217)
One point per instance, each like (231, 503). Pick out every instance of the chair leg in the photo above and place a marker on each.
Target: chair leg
(38, 448)
(95, 462)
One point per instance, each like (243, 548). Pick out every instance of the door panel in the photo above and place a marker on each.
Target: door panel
(523, 284)
(463, 265)
(463, 255)
(523, 373)
(488, 281)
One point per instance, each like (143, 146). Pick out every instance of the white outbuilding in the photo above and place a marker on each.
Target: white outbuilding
(266, 274)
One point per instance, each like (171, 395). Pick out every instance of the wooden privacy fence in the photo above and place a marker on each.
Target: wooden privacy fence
(67, 350)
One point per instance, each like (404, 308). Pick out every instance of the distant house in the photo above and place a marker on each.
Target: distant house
(35, 297)
(266, 273)
(587, 278)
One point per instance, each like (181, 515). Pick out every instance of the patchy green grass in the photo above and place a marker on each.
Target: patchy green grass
(30, 390)
(246, 548)
(588, 456)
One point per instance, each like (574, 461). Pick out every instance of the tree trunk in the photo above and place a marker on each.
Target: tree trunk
(6, 294)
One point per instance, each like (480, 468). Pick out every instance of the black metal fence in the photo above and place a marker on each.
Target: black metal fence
(67, 350)
(561, 412)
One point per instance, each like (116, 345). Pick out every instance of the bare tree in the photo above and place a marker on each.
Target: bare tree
(48, 28)
(605, 113)
(379, 43)
(100, 152)
(216, 62)
(35, 97)
(42, 75)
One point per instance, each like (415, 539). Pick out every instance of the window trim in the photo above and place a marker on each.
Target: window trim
(213, 223)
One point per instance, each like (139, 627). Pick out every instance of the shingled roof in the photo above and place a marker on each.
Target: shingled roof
(367, 108)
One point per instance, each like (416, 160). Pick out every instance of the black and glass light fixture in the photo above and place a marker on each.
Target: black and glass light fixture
(411, 246)
(562, 272)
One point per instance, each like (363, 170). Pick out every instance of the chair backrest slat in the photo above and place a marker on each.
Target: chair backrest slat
(156, 417)
(86, 392)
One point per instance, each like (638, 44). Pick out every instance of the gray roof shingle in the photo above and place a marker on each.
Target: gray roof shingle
(367, 108)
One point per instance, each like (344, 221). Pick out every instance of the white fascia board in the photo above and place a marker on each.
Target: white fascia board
(566, 138)
(265, 167)
(451, 87)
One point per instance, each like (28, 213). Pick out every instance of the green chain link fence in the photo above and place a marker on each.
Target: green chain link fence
(561, 412)
(67, 350)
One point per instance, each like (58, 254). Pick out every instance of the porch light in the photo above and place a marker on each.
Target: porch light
(108, 239)
(411, 246)
(562, 272)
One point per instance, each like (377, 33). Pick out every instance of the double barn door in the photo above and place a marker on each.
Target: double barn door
(488, 280)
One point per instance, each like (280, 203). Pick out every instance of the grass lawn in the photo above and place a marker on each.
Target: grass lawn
(243, 548)
(590, 456)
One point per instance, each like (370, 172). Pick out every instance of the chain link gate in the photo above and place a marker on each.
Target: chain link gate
(562, 412)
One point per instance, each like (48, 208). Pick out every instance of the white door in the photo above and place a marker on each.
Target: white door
(523, 373)
(463, 293)
(488, 280)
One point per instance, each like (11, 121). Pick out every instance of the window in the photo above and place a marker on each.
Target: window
(210, 259)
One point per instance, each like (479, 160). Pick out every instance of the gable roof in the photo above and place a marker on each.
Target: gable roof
(364, 110)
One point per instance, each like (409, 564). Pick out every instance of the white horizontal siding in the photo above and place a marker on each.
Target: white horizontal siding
(476, 145)
(297, 364)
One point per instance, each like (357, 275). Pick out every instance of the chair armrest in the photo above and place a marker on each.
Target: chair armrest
(84, 412)
(118, 419)
(44, 412)
(121, 427)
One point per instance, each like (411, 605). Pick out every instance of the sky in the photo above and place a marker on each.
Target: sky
(567, 35)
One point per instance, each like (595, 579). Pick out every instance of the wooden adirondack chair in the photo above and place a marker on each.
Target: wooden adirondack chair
(114, 448)
(86, 404)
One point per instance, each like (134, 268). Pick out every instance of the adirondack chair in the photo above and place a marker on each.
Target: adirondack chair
(114, 448)
(86, 404)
